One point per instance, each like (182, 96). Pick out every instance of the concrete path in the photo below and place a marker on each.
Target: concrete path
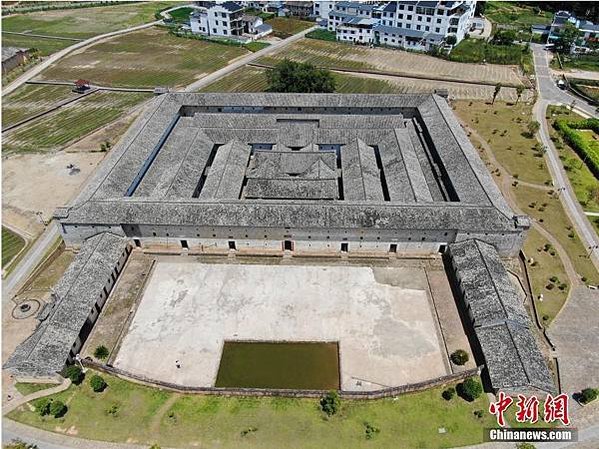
(17, 402)
(549, 93)
(44, 36)
(33, 257)
(214, 76)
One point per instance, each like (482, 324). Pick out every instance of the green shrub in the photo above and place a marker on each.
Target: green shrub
(448, 393)
(330, 403)
(97, 383)
(74, 373)
(42, 406)
(370, 430)
(588, 395)
(101, 352)
(470, 389)
(460, 357)
(58, 408)
(578, 143)
(19, 444)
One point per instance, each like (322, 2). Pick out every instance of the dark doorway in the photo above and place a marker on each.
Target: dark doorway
(137, 243)
(184, 244)
(232, 245)
(344, 247)
(393, 248)
(288, 245)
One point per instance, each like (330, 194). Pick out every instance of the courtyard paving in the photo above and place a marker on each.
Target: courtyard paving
(382, 318)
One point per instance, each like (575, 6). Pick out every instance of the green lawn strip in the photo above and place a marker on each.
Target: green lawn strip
(12, 244)
(193, 420)
(256, 46)
(44, 46)
(504, 127)
(31, 99)
(548, 210)
(584, 183)
(72, 122)
(546, 265)
(509, 13)
(323, 35)
(79, 24)
(26, 388)
(146, 58)
(285, 26)
(580, 62)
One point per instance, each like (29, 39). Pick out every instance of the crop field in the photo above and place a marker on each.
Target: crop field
(44, 46)
(253, 79)
(72, 122)
(284, 27)
(512, 14)
(31, 99)
(147, 58)
(84, 23)
(12, 243)
(345, 56)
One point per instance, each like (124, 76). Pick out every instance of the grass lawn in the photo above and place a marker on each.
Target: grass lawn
(12, 243)
(591, 91)
(81, 24)
(504, 128)
(580, 62)
(255, 46)
(31, 99)
(478, 50)
(144, 415)
(509, 13)
(181, 15)
(72, 122)
(147, 58)
(549, 211)
(43, 45)
(324, 35)
(253, 79)
(26, 389)
(546, 265)
(286, 26)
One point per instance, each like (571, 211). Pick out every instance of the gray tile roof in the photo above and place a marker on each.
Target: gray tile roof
(45, 352)
(9, 52)
(501, 324)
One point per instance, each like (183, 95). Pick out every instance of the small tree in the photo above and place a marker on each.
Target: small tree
(519, 92)
(19, 444)
(448, 393)
(498, 87)
(58, 408)
(291, 76)
(74, 373)
(101, 352)
(588, 395)
(470, 389)
(97, 383)
(533, 126)
(460, 357)
(451, 39)
(43, 406)
(330, 403)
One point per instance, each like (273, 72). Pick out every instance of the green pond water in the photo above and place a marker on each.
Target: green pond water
(279, 365)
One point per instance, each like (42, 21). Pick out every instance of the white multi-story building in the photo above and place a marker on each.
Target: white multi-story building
(219, 20)
(323, 8)
(417, 25)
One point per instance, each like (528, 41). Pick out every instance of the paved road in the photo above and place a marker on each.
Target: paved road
(31, 259)
(549, 93)
(209, 79)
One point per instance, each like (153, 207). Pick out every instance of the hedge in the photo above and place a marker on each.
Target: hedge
(578, 143)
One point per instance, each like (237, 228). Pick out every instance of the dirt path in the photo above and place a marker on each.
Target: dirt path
(157, 418)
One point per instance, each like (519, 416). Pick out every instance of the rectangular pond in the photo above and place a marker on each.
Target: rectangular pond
(298, 365)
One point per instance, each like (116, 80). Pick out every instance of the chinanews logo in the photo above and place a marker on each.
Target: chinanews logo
(528, 410)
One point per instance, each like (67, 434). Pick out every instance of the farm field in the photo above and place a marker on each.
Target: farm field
(507, 13)
(84, 23)
(12, 243)
(147, 58)
(73, 121)
(137, 414)
(44, 46)
(253, 79)
(285, 27)
(345, 56)
(31, 99)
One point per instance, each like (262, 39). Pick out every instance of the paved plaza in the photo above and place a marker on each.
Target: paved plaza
(381, 317)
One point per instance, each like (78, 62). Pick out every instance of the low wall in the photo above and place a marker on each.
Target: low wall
(260, 392)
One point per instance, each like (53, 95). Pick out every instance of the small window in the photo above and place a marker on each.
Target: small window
(232, 245)
(288, 245)
(393, 248)
(184, 244)
(344, 247)
(137, 243)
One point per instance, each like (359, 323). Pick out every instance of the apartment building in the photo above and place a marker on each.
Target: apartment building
(416, 25)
